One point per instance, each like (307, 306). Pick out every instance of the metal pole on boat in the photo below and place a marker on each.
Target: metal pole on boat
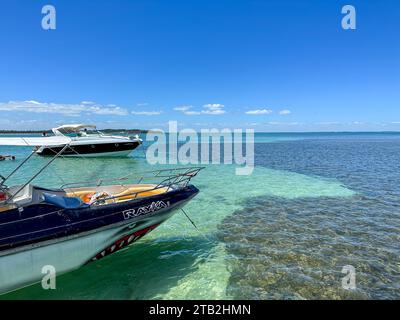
(40, 171)
(17, 168)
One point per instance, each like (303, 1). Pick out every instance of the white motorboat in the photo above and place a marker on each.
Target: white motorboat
(82, 140)
(88, 141)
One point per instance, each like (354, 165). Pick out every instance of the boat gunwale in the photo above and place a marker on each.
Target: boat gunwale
(109, 205)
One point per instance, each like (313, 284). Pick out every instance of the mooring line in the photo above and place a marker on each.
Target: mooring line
(194, 225)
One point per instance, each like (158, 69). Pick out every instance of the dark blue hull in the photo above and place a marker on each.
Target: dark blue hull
(43, 222)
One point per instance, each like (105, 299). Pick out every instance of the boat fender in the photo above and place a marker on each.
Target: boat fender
(98, 196)
(3, 196)
(87, 197)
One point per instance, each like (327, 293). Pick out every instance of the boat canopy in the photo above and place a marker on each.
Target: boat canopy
(71, 128)
(35, 141)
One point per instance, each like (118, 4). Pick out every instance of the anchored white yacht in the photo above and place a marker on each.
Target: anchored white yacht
(87, 140)
(82, 139)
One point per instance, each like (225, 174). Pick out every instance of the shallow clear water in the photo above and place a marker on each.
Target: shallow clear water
(314, 203)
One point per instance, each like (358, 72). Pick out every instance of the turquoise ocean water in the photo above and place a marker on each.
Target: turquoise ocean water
(314, 203)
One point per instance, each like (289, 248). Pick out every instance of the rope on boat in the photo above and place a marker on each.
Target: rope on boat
(194, 225)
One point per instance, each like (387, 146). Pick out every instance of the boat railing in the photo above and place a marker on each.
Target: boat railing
(146, 175)
(167, 179)
(178, 178)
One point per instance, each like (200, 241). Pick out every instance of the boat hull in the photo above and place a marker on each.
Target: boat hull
(23, 268)
(114, 149)
(21, 265)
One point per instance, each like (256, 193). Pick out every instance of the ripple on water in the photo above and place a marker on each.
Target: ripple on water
(296, 248)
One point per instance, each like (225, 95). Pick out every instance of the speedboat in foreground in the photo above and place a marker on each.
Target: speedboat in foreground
(69, 227)
(82, 140)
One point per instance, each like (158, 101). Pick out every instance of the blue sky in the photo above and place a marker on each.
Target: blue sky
(267, 65)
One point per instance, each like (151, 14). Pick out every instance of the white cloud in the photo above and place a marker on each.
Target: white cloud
(146, 113)
(186, 110)
(142, 104)
(259, 111)
(107, 110)
(87, 102)
(182, 108)
(211, 108)
(61, 108)
(192, 113)
(32, 102)
(285, 112)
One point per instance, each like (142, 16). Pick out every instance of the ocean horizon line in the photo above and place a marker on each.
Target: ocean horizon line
(198, 131)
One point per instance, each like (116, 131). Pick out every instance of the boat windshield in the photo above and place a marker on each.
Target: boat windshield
(84, 133)
(81, 133)
(76, 130)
